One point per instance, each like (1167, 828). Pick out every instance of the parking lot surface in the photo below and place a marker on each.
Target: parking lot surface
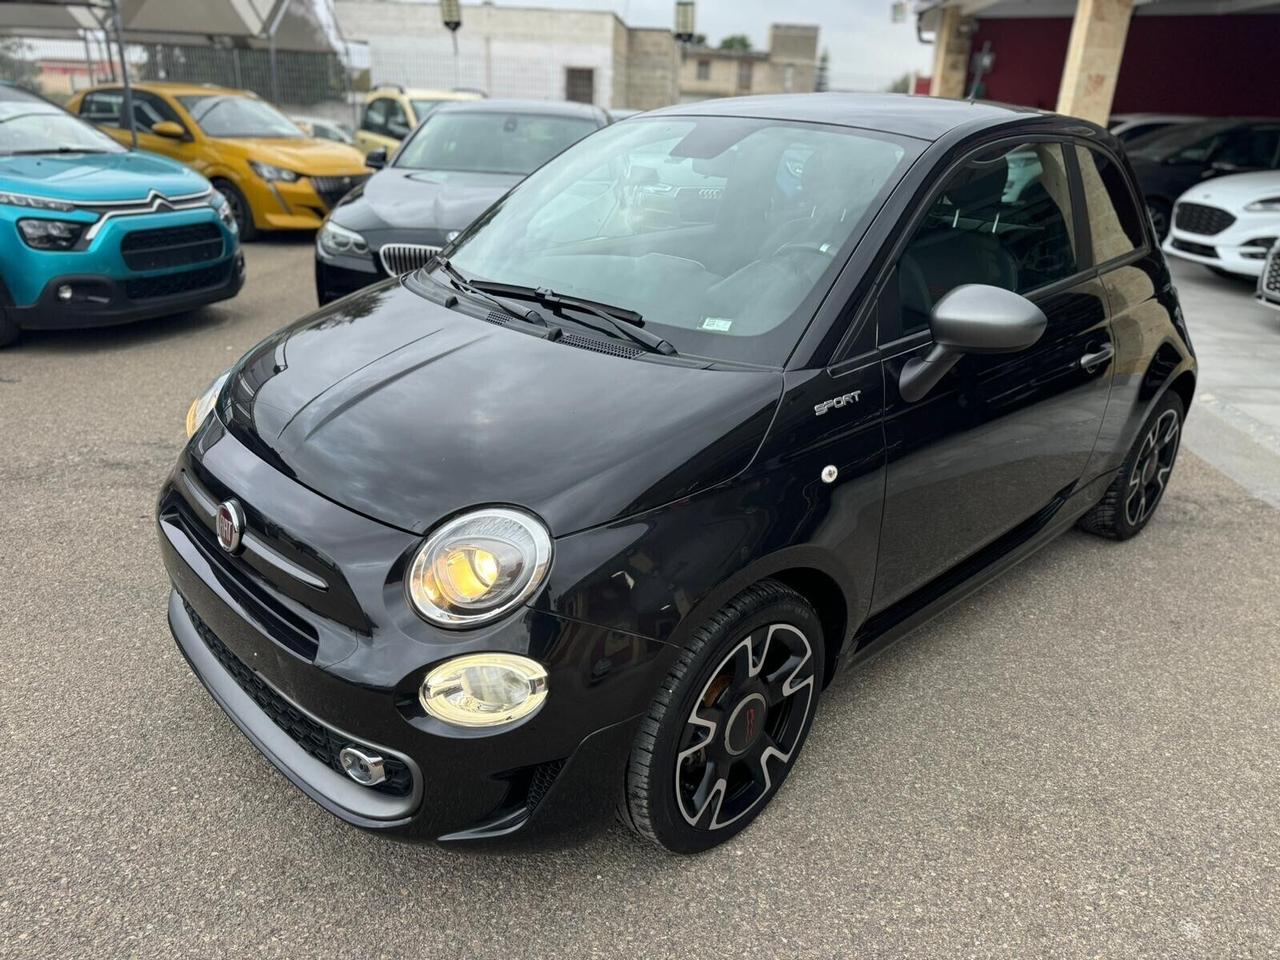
(1081, 760)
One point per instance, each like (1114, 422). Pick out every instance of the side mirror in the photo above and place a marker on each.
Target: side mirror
(377, 159)
(170, 129)
(974, 318)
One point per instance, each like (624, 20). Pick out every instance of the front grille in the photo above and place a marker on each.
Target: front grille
(170, 284)
(333, 189)
(1271, 279)
(318, 740)
(400, 258)
(1202, 219)
(168, 247)
(1199, 249)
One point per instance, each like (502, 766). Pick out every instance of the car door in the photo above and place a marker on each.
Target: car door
(1003, 438)
(150, 109)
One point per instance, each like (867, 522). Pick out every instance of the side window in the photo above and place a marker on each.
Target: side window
(397, 120)
(1249, 148)
(148, 110)
(1115, 216)
(102, 106)
(1003, 218)
(375, 116)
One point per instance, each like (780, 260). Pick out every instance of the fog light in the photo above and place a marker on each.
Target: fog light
(64, 293)
(484, 689)
(367, 769)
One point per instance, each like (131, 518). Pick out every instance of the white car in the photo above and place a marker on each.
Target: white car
(1228, 223)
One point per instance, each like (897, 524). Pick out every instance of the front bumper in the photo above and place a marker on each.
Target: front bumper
(554, 774)
(336, 277)
(1240, 249)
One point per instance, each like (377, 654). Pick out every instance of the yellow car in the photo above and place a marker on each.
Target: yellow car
(392, 112)
(274, 176)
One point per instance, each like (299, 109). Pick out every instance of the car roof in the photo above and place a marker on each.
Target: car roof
(424, 93)
(176, 89)
(551, 108)
(926, 118)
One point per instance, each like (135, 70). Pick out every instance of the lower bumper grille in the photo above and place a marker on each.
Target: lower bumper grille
(171, 246)
(400, 258)
(1199, 249)
(171, 284)
(318, 740)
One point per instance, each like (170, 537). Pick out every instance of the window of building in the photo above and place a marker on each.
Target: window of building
(1115, 218)
(704, 69)
(744, 75)
(580, 85)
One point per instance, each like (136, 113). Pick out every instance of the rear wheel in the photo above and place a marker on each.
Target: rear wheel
(1138, 489)
(727, 723)
(239, 208)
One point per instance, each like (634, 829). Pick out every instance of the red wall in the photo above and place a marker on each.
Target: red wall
(1214, 65)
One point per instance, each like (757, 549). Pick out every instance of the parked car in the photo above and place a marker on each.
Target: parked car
(1171, 162)
(273, 175)
(1127, 127)
(1268, 293)
(1228, 223)
(323, 128)
(454, 166)
(392, 112)
(584, 516)
(92, 234)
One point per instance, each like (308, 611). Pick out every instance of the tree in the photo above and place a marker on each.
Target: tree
(901, 85)
(16, 68)
(822, 80)
(736, 41)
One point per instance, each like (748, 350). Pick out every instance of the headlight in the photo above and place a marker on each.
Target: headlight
(271, 172)
(1265, 205)
(202, 405)
(338, 241)
(484, 689)
(219, 203)
(51, 234)
(35, 203)
(478, 566)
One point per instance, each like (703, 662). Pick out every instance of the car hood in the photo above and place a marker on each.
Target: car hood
(303, 155)
(407, 412)
(1235, 191)
(86, 177)
(397, 199)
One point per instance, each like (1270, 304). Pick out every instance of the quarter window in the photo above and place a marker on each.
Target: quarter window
(1115, 220)
(1004, 219)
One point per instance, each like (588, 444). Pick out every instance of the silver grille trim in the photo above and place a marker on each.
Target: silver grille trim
(401, 258)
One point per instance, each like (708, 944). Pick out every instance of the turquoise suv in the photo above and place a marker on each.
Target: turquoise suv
(93, 234)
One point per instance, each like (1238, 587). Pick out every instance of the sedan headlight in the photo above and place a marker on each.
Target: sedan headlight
(337, 241)
(478, 566)
(51, 234)
(484, 689)
(1265, 205)
(202, 405)
(270, 172)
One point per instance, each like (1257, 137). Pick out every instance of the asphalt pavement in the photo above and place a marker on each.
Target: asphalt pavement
(1082, 760)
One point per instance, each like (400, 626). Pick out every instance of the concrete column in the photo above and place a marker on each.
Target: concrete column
(1093, 58)
(950, 55)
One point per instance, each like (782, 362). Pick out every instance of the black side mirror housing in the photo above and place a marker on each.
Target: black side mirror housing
(973, 318)
(377, 159)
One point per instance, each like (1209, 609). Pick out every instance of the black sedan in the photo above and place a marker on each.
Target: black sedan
(461, 159)
(1171, 162)
(583, 517)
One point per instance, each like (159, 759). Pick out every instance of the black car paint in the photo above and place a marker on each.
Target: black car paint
(659, 515)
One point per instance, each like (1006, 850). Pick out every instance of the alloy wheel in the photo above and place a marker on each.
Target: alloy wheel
(1151, 468)
(745, 726)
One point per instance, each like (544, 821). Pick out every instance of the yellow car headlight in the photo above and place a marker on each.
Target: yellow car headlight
(202, 405)
(479, 566)
(484, 689)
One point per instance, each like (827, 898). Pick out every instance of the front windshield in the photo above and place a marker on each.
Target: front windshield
(723, 232)
(1189, 142)
(37, 128)
(219, 115)
(490, 141)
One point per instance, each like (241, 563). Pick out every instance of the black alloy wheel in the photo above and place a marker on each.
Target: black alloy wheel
(728, 723)
(1138, 489)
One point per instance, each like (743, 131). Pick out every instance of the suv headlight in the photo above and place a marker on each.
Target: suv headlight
(35, 203)
(219, 203)
(479, 566)
(202, 405)
(270, 172)
(1265, 205)
(336, 241)
(51, 234)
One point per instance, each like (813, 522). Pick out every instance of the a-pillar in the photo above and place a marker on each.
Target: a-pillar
(1094, 54)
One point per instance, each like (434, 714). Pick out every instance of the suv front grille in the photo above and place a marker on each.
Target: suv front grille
(400, 258)
(318, 740)
(167, 247)
(333, 189)
(1202, 219)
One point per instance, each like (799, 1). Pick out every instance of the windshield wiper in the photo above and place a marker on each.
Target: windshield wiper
(32, 153)
(626, 322)
(467, 286)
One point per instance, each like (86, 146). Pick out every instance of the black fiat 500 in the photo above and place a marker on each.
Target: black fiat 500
(582, 516)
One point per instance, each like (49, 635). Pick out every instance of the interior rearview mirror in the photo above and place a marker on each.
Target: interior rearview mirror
(377, 159)
(974, 318)
(168, 128)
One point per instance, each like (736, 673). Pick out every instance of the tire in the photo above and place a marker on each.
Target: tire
(1159, 211)
(9, 331)
(753, 673)
(239, 208)
(1131, 500)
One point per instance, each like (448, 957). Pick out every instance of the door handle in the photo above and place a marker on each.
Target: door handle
(1091, 361)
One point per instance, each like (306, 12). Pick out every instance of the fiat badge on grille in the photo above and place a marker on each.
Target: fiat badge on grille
(230, 525)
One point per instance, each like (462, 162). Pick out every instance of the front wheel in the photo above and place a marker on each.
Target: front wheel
(240, 209)
(728, 722)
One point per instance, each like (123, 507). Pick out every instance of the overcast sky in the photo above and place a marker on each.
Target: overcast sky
(867, 51)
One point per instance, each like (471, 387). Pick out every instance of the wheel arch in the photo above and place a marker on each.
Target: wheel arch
(825, 596)
(1184, 385)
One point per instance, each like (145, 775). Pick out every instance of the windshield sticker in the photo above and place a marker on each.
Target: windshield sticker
(719, 324)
